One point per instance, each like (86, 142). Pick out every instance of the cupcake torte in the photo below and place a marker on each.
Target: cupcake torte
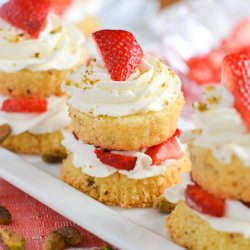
(37, 52)
(213, 210)
(123, 149)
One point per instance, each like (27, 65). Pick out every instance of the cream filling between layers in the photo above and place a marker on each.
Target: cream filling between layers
(84, 157)
(222, 130)
(150, 88)
(54, 119)
(237, 216)
(58, 47)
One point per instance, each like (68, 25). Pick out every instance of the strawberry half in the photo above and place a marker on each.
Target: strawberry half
(122, 162)
(120, 51)
(19, 105)
(236, 77)
(169, 149)
(204, 202)
(60, 6)
(30, 16)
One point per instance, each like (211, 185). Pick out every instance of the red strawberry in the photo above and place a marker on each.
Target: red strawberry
(245, 51)
(27, 15)
(169, 149)
(120, 51)
(200, 70)
(60, 6)
(122, 162)
(203, 202)
(18, 105)
(236, 77)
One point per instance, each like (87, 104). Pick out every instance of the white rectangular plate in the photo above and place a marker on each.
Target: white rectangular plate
(130, 229)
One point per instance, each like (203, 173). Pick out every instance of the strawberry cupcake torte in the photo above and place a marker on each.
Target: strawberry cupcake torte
(124, 106)
(213, 210)
(37, 52)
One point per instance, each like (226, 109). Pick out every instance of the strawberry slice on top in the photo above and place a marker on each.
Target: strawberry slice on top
(236, 78)
(30, 16)
(204, 202)
(120, 51)
(19, 105)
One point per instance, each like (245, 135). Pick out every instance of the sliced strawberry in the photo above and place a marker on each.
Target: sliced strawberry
(169, 149)
(245, 51)
(200, 70)
(122, 162)
(27, 15)
(60, 6)
(204, 202)
(236, 77)
(120, 51)
(19, 105)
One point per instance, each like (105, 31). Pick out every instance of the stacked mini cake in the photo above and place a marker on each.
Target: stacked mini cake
(213, 210)
(123, 149)
(37, 51)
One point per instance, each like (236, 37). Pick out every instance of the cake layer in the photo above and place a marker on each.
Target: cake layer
(192, 232)
(132, 132)
(223, 180)
(118, 189)
(28, 143)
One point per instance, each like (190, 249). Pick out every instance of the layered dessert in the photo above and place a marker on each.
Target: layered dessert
(37, 52)
(123, 148)
(82, 13)
(213, 209)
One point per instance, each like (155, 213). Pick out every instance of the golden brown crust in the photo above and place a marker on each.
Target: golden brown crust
(40, 84)
(28, 143)
(118, 190)
(193, 233)
(131, 132)
(223, 180)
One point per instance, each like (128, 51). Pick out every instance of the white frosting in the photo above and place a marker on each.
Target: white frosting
(84, 157)
(59, 46)
(150, 88)
(237, 215)
(222, 128)
(54, 119)
(79, 9)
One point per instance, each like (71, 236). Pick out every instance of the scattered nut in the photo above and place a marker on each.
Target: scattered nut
(53, 157)
(71, 235)
(5, 216)
(162, 204)
(54, 241)
(5, 131)
(12, 240)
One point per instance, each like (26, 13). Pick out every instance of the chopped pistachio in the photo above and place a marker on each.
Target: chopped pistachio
(162, 204)
(5, 216)
(12, 240)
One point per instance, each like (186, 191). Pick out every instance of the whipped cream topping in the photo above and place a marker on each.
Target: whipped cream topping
(150, 88)
(84, 157)
(54, 119)
(58, 47)
(79, 9)
(220, 127)
(237, 216)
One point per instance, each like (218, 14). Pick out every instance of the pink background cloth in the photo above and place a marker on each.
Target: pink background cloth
(34, 220)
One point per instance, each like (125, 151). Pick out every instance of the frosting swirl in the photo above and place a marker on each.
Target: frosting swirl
(220, 127)
(59, 47)
(150, 88)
